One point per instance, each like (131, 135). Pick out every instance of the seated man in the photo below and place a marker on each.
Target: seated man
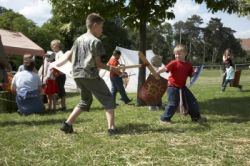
(26, 56)
(28, 86)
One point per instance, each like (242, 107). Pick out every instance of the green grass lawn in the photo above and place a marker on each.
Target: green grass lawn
(142, 140)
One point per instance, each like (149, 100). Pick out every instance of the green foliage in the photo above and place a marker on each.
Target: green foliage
(207, 45)
(159, 39)
(244, 7)
(113, 36)
(10, 20)
(142, 140)
(135, 13)
(45, 34)
(219, 38)
(229, 6)
(13, 21)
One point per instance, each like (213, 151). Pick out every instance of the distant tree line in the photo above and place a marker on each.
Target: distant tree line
(205, 44)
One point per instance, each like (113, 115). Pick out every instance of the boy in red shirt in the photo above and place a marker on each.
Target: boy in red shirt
(116, 79)
(179, 71)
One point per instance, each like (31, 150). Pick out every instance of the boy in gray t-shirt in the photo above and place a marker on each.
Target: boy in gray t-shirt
(86, 59)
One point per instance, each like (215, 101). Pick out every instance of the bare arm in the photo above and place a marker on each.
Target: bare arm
(101, 65)
(161, 70)
(67, 56)
(13, 88)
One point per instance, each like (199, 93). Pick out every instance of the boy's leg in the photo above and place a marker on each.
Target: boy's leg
(61, 79)
(84, 105)
(63, 103)
(113, 88)
(173, 101)
(225, 85)
(193, 106)
(101, 91)
(54, 102)
(110, 115)
(74, 114)
(49, 101)
(223, 79)
(120, 87)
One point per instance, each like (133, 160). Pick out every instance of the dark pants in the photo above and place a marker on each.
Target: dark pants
(174, 100)
(61, 82)
(117, 85)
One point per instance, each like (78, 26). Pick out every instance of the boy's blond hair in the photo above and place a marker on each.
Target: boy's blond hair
(56, 42)
(93, 18)
(180, 48)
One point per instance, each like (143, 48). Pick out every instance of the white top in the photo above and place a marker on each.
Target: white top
(26, 81)
(230, 73)
(59, 54)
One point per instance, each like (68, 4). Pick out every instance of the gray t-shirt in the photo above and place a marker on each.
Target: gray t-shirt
(85, 49)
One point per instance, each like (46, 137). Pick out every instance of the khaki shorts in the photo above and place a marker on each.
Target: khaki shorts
(98, 88)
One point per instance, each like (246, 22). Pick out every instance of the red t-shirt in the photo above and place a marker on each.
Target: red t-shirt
(113, 62)
(179, 71)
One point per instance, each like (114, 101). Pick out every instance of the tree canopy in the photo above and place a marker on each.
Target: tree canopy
(137, 24)
(135, 14)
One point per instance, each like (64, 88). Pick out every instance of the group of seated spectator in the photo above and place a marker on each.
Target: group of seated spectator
(30, 85)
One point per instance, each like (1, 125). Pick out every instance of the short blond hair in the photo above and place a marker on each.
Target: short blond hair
(93, 18)
(56, 42)
(180, 48)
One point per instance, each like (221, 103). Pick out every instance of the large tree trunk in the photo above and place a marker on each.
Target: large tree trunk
(142, 48)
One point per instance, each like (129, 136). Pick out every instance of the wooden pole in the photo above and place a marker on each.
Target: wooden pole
(129, 66)
(149, 66)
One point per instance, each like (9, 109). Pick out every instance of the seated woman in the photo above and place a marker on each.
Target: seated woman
(28, 87)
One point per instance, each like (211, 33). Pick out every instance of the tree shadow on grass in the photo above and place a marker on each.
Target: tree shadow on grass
(35, 122)
(232, 109)
(136, 128)
(96, 108)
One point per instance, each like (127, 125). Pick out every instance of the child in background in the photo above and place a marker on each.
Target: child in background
(156, 62)
(116, 79)
(61, 78)
(227, 57)
(229, 73)
(179, 71)
(51, 87)
(26, 56)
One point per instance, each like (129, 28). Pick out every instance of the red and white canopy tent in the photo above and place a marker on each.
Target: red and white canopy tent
(18, 44)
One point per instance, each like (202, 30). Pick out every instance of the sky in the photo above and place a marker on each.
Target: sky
(39, 11)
